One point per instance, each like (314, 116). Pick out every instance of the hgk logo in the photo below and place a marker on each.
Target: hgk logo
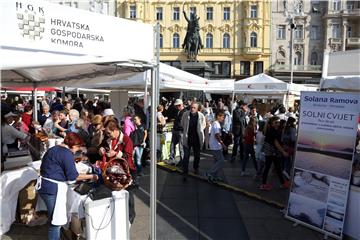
(31, 20)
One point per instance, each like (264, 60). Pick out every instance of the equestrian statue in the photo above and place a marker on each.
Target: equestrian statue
(192, 42)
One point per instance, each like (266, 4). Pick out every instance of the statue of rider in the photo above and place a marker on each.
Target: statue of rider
(192, 29)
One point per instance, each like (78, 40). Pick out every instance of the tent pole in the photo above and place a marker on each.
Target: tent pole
(153, 159)
(63, 94)
(154, 100)
(232, 102)
(77, 92)
(34, 95)
(145, 93)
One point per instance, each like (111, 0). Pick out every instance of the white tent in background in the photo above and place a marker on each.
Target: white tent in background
(341, 71)
(171, 78)
(265, 85)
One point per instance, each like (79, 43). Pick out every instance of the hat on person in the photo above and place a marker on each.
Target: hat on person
(178, 102)
(108, 112)
(10, 114)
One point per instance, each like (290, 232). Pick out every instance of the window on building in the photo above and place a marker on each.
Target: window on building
(299, 9)
(76, 5)
(349, 32)
(161, 40)
(315, 6)
(176, 64)
(159, 13)
(209, 13)
(105, 8)
(176, 40)
(280, 57)
(67, 4)
(226, 40)
(226, 13)
(299, 32)
(350, 5)
(258, 67)
(132, 11)
(253, 11)
(298, 58)
(314, 58)
(336, 31)
(192, 10)
(209, 40)
(253, 39)
(221, 69)
(314, 33)
(176, 13)
(281, 32)
(245, 68)
(226, 68)
(336, 5)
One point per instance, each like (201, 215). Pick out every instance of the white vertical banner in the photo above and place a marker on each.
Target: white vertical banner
(323, 161)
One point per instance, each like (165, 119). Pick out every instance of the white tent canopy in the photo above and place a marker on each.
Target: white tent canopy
(53, 45)
(341, 71)
(171, 78)
(263, 84)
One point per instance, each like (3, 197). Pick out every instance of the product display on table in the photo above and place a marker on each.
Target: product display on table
(116, 174)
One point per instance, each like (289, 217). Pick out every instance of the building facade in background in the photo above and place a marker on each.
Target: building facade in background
(107, 7)
(235, 34)
(308, 40)
(245, 38)
(342, 25)
(320, 26)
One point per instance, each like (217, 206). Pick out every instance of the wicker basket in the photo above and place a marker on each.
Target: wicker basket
(117, 181)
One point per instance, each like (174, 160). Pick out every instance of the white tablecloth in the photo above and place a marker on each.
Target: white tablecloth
(11, 183)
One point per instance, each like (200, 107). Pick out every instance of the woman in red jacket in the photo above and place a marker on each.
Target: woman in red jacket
(117, 145)
(27, 117)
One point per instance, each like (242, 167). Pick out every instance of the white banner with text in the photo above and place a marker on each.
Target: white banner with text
(323, 160)
(54, 28)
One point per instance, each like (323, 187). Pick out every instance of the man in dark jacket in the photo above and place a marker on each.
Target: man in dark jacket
(177, 133)
(238, 127)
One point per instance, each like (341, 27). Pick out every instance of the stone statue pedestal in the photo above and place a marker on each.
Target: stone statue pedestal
(200, 69)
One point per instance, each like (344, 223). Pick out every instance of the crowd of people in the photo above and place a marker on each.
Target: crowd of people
(91, 128)
(214, 126)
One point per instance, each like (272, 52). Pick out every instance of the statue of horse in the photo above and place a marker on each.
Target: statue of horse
(192, 42)
(192, 47)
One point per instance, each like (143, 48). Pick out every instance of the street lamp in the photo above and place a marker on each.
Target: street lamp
(296, 10)
(292, 28)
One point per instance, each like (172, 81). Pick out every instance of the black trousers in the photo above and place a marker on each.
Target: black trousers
(238, 143)
(268, 161)
(186, 159)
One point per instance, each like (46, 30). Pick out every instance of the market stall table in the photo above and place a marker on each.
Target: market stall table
(101, 215)
(11, 183)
